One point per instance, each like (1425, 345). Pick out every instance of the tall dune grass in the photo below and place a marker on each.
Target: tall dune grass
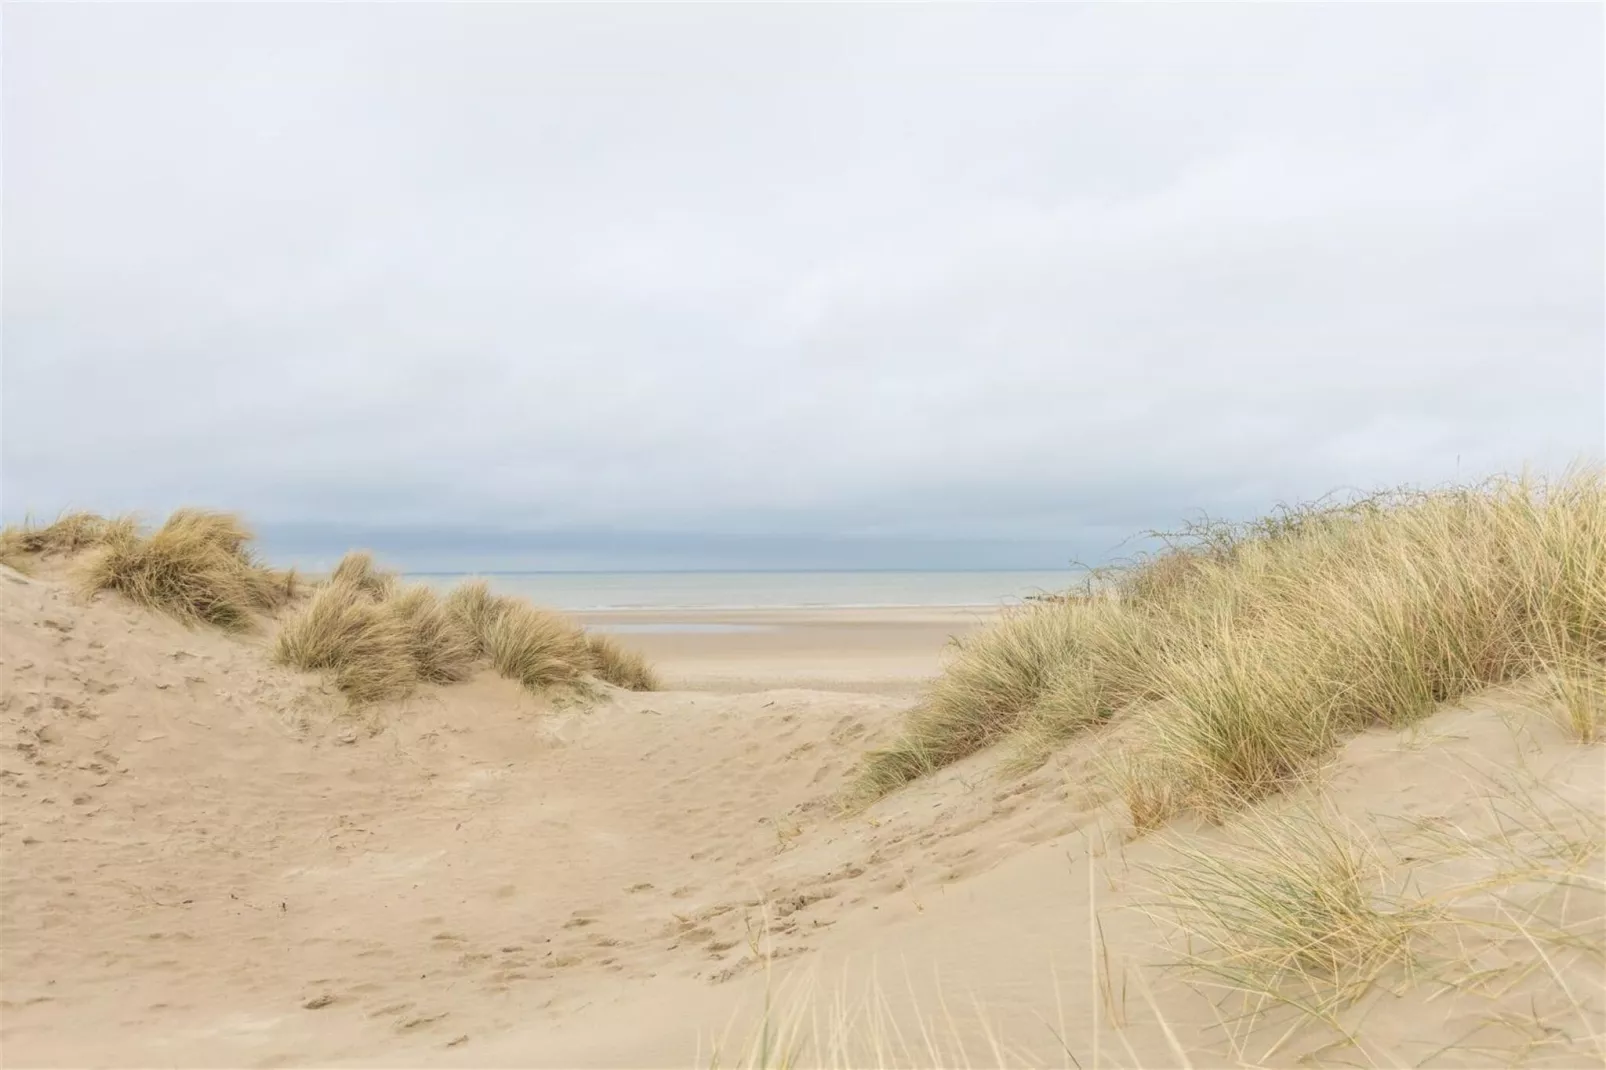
(364, 645)
(1243, 654)
(622, 668)
(376, 638)
(196, 567)
(540, 649)
(443, 651)
(473, 604)
(358, 571)
(69, 533)
(379, 639)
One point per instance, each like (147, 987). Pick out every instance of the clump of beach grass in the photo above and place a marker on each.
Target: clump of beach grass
(1303, 910)
(358, 571)
(1293, 911)
(69, 533)
(616, 665)
(442, 648)
(380, 639)
(540, 650)
(365, 646)
(1245, 653)
(196, 567)
(473, 604)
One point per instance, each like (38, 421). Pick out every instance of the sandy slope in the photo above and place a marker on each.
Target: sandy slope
(207, 863)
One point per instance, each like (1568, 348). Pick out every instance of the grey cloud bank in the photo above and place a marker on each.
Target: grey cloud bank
(494, 279)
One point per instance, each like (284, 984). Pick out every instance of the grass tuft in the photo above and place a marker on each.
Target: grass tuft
(1298, 907)
(478, 609)
(68, 534)
(540, 650)
(380, 639)
(366, 647)
(195, 567)
(616, 665)
(358, 571)
(443, 650)
(1579, 689)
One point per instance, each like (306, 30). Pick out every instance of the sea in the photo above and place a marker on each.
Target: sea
(598, 591)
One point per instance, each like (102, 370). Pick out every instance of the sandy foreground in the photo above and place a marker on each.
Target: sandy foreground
(209, 862)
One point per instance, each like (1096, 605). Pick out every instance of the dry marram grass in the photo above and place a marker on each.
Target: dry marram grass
(1299, 913)
(195, 567)
(477, 608)
(358, 571)
(538, 649)
(379, 639)
(376, 638)
(67, 534)
(364, 645)
(622, 668)
(442, 649)
(1245, 653)
(1296, 904)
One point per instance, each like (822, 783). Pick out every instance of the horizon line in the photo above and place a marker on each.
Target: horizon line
(724, 571)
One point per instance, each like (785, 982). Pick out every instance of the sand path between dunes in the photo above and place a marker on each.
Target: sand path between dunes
(207, 863)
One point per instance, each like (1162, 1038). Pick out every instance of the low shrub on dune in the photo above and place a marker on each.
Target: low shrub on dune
(1243, 654)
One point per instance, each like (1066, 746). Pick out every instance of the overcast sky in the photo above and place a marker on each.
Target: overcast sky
(976, 275)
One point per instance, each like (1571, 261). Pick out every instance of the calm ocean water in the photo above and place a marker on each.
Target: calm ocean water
(765, 590)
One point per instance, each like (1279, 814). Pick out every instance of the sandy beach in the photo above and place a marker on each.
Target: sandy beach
(213, 860)
(883, 651)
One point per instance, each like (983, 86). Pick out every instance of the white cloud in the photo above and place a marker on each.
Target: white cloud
(1002, 271)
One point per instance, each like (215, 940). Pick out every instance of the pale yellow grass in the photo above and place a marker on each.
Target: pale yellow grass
(364, 645)
(442, 649)
(539, 649)
(67, 534)
(477, 608)
(379, 639)
(619, 666)
(1243, 655)
(1305, 912)
(358, 571)
(196, 567)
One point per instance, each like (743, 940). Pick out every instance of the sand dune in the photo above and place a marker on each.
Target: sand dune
(209, 861)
